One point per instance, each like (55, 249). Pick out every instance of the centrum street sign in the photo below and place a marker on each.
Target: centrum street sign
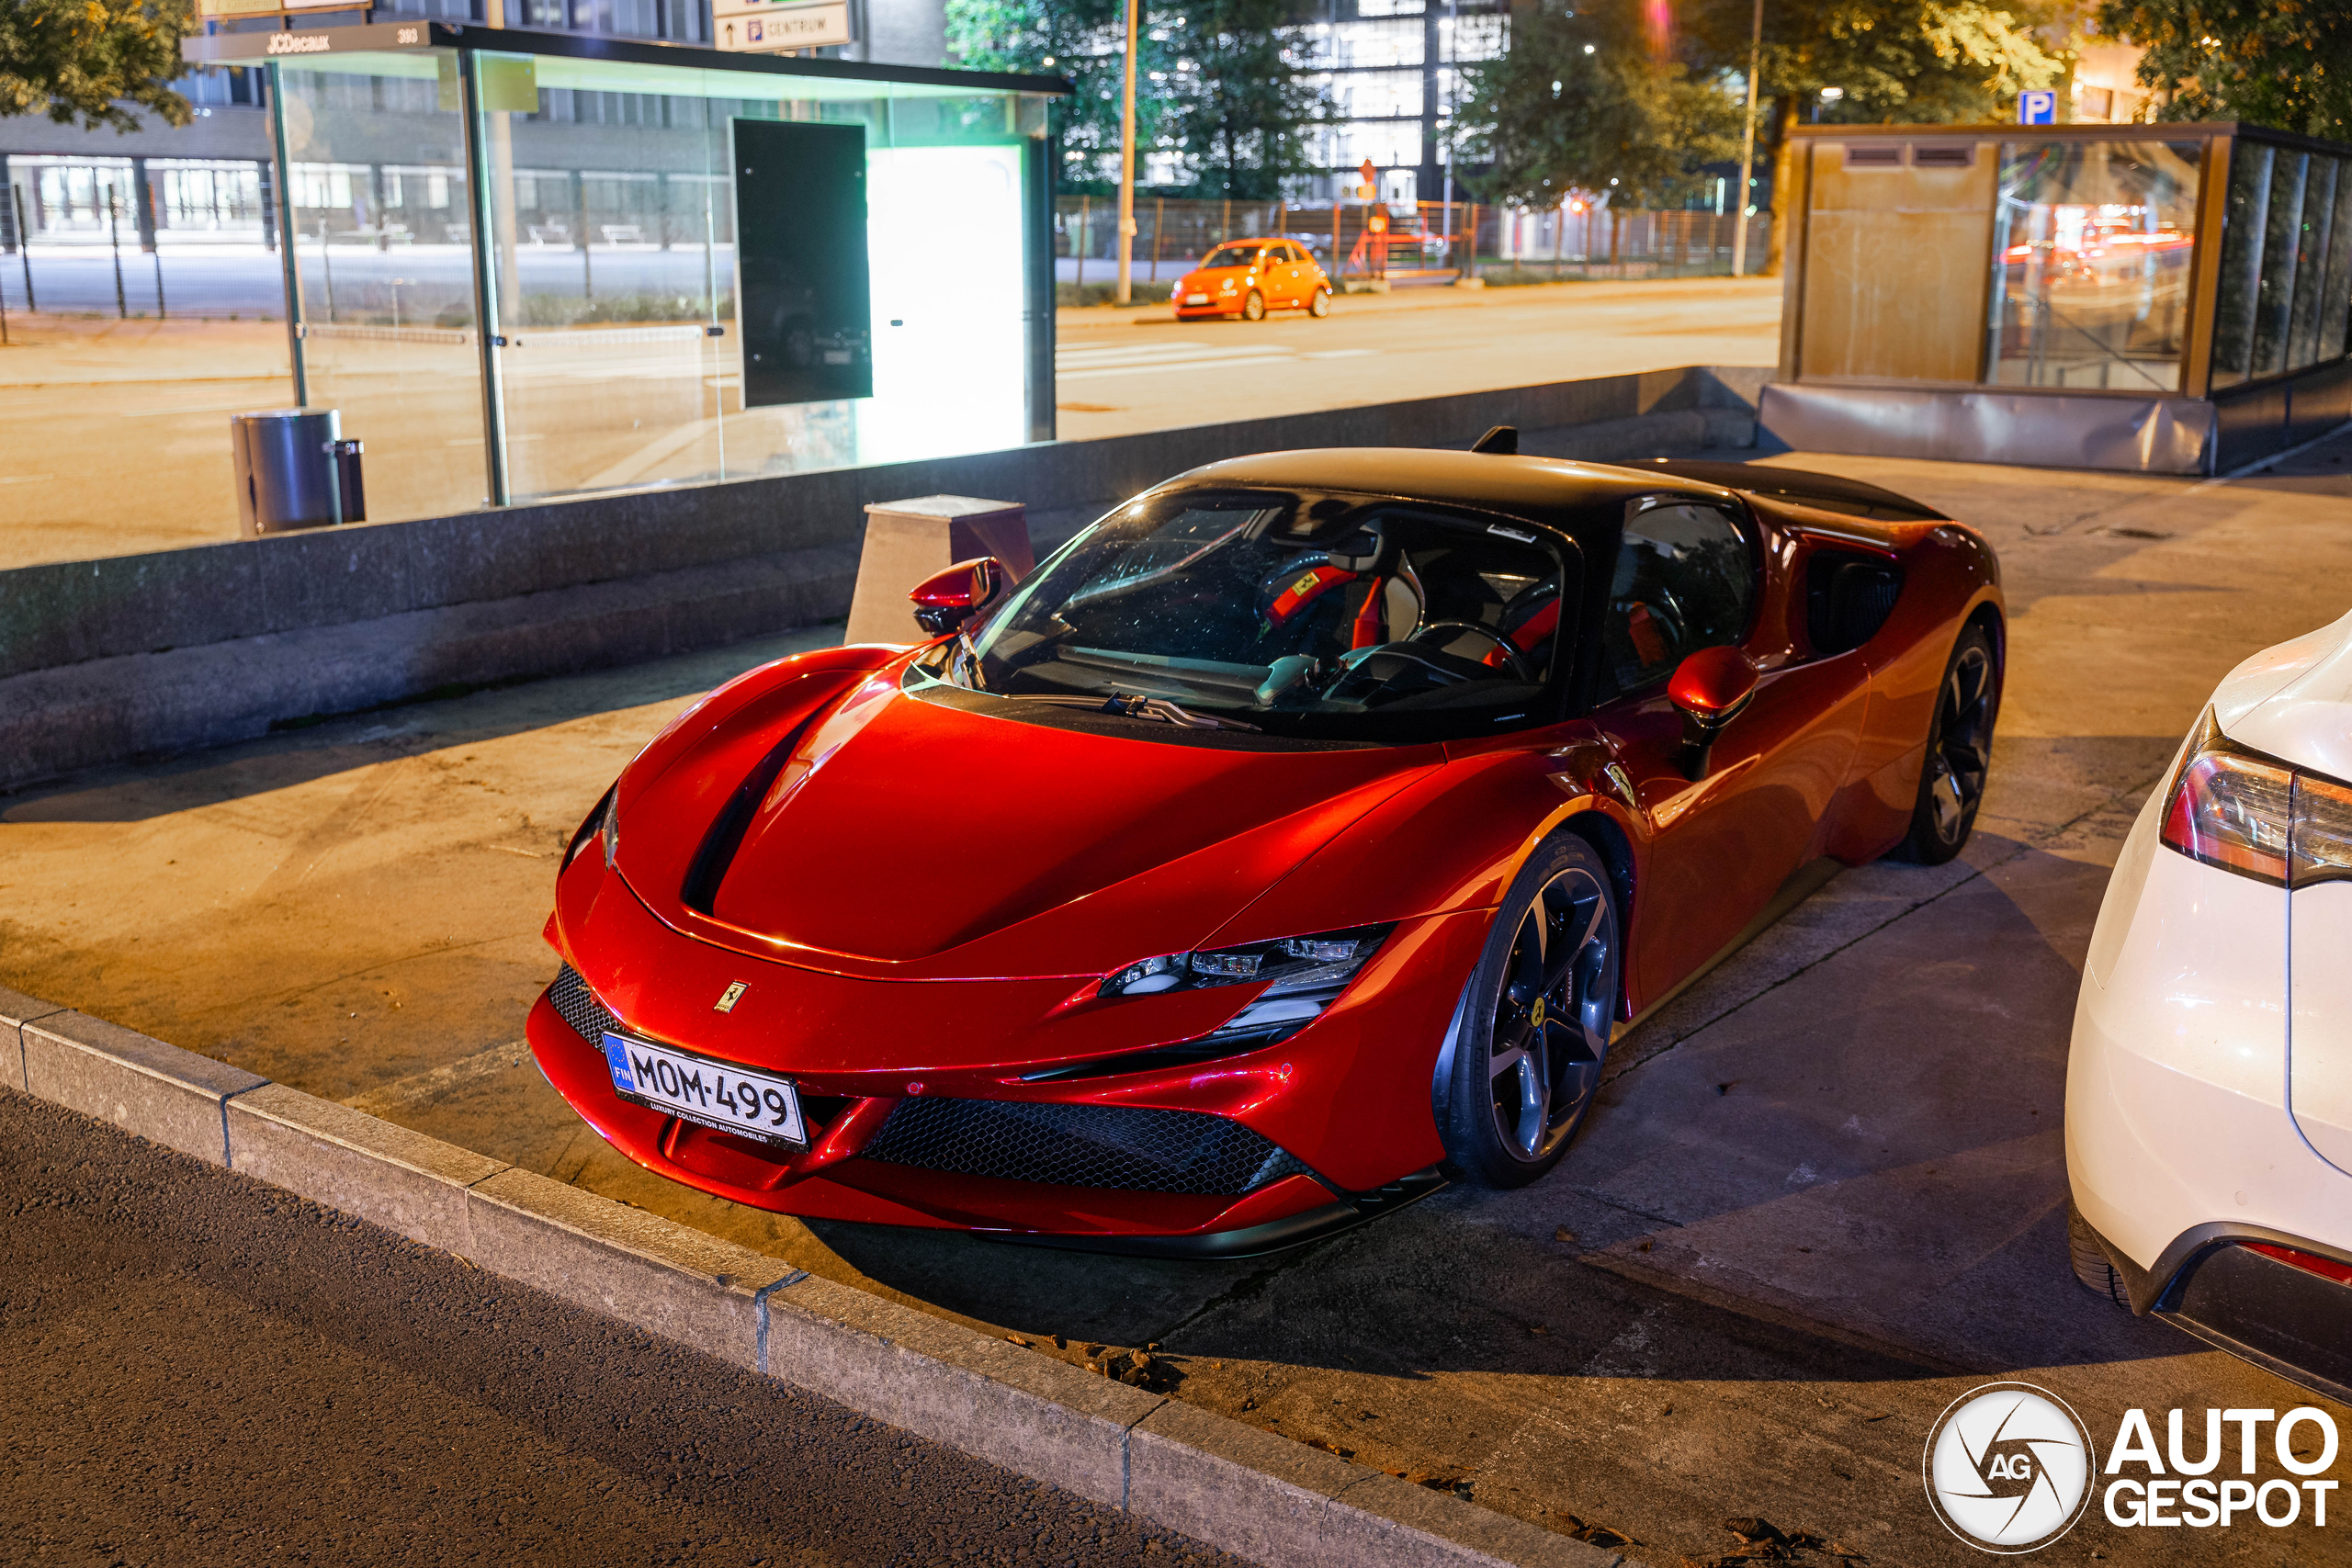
(765, 26)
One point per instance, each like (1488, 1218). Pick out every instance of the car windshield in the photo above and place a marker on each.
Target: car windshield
(1318, 616)
(1232, 256)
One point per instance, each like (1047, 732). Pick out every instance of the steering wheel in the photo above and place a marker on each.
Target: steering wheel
(1453, 628)
(1660, 602)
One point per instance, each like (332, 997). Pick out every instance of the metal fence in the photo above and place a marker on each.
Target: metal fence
(1404, 242)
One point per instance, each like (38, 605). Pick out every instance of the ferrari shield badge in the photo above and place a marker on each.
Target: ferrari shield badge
(729, 997)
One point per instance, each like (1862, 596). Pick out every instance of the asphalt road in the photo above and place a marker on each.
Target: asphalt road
(205, 1371)
(1120, 371)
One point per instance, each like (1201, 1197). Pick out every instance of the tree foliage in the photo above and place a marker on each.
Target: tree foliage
(94, 60)
(1217, 89)
(1082, 40)
(1912, 62)
(1581, 101)
(2286, 63)
(1236, 107)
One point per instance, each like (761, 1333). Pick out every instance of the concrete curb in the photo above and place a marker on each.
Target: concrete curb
(1235, 1487)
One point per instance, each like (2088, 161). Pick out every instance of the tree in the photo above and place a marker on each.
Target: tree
(94, 58)
(1580, 100)
(1235, 108)
(1085, 40)
(2286, 63)
(1900, 62)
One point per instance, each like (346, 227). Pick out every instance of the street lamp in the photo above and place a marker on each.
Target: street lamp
(1127, 164)
(1747, 148)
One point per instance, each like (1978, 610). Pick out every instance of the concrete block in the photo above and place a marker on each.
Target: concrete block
(384, 1173)
(1249, 1491)
(906, 541)
(102, 710)
(657, 1275)
(15, 1010)
(989, 1398)
(160, 1093)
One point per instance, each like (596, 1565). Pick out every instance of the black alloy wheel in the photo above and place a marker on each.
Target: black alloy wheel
(1536, 1019)
(1960, 753)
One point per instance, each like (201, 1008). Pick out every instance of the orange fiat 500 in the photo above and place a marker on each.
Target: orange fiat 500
(1250, 277)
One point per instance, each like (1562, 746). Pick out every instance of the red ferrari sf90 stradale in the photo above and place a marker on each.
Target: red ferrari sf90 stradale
(1295, 839)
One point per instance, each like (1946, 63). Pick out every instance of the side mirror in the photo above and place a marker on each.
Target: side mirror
(1711, 687)
(945, 600)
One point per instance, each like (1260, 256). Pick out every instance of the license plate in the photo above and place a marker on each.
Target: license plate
(708, 1093)
(1196, 298)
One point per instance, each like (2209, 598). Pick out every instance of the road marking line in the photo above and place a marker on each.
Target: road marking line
(1163, 369)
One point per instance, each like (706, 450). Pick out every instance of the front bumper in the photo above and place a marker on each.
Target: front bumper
(952, 1164)
(920, 1113)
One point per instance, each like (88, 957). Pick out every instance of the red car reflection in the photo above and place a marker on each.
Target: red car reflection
(1295, 840)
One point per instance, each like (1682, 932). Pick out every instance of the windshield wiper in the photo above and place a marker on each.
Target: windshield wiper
(1139, 706)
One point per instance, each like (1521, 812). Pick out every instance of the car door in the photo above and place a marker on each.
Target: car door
(1689, 575)
(1295, 284)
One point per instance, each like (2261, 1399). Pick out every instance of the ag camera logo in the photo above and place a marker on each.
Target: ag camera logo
(2010, 1467)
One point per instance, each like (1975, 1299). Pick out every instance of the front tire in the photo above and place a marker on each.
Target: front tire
(1254, 308)
(1959, 756)
(1320, 306)
(1535, 1018)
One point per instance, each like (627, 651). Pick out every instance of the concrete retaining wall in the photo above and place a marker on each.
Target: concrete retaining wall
(104, 661)
(1234, 1486)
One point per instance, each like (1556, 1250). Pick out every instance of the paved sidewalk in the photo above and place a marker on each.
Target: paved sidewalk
(205, 1371)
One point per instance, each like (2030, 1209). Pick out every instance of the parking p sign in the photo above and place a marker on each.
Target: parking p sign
(2037, 108)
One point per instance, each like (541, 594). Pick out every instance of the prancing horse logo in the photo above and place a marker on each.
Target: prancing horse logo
(729, 997)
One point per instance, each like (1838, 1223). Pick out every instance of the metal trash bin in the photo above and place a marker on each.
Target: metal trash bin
(294, 470)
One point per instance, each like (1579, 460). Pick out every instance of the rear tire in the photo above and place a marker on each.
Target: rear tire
(1254, 308)
(1536, 1018)
(1320, 306)
(2091, 1265)
(1958, 762)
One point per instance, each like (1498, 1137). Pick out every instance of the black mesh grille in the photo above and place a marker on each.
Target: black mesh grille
(580, 1007)
(1082, 1145)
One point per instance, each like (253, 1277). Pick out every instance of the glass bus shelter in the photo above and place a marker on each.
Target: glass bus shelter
(531, 264)
(2167, 298)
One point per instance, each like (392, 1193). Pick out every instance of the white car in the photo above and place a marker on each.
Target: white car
(2209, 1092)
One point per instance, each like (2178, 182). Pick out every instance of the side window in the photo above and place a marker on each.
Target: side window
(1684, 581)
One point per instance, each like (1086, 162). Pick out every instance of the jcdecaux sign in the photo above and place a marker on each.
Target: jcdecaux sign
(2010, 1468)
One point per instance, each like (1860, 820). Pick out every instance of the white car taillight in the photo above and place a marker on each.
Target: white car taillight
(2259, 816)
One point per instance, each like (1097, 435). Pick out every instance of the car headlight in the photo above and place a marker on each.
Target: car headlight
(1303, 974)
(1227, 285)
